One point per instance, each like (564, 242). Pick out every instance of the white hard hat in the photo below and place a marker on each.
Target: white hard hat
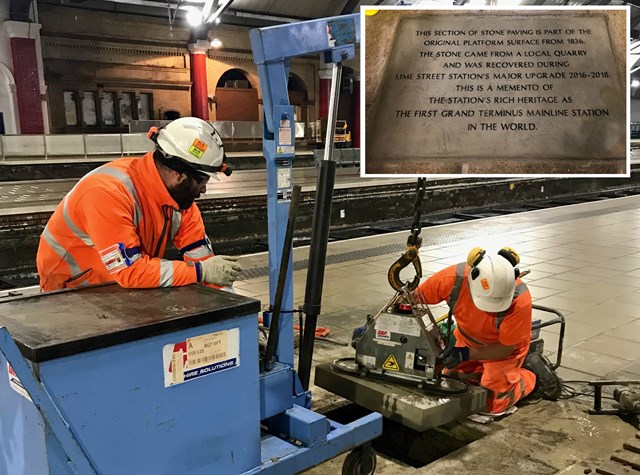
(193, 141)
(492, 281)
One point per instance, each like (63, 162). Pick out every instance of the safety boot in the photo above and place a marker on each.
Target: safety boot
(548, 384)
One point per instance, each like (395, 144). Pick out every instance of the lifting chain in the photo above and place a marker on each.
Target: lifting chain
(412, 254)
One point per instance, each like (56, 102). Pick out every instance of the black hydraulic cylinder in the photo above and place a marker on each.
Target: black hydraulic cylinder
(274, 326)
(315, 272)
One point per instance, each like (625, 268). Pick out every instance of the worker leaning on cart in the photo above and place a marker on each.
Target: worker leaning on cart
(115, 224)
(493, 311)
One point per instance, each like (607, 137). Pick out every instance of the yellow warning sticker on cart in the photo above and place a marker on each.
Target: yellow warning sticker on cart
(391, 364)
(198, 147)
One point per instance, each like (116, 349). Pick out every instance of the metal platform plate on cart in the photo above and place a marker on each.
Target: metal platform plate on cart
(408, 406)
(56, 324)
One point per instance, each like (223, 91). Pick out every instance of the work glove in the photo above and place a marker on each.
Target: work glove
(453, 356)
(357, 334)
(220, 270)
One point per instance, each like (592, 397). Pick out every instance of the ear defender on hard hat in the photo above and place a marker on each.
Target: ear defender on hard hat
(473, 259)
(512, 256)
(477, 253)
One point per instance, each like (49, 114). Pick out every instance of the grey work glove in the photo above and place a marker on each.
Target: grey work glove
(220, 270)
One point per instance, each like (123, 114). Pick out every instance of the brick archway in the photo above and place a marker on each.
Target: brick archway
(236, 97)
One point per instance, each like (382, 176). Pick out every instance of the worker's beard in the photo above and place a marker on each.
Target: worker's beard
(185, 193)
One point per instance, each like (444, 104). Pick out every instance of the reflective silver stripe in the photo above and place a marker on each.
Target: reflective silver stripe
(511, 394)
(176, 221)
(84, 237)
(166, 273)
(199, 252)
(523, 388)
(468, 337)
(80, 234)
(457, 286)
(61, 251)
(521, 288)
(125, 179)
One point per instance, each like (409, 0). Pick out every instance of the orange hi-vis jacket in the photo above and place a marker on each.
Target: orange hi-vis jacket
(474, 327)
(114, 225)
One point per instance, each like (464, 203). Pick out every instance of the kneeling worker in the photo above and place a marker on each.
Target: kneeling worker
(493, 310)
(116, 223)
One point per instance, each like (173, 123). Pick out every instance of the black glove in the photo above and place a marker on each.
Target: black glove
(357, 334)
(453, 356)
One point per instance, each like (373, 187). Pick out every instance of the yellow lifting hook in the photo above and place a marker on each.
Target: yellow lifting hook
(411, 256)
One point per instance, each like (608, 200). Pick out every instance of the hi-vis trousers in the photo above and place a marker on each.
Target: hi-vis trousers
(505, 380)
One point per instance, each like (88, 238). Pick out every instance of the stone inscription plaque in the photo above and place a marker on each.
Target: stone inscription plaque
(508, 87)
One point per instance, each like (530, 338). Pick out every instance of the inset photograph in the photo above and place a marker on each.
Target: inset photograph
(495, 92)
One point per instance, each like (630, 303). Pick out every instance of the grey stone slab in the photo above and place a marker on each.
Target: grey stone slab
(563, 303)
(597, 292)
(624, 279)
(608, 345)
(550, 267)
(633, 368)
(591, 362)
(628, 331)
(602, 315)
(410, 407)
(551, 343)
(623, 264)
(568, 374)
(560, 284)
(454, 91)
(570, 262)
(541, 292)
(599, 269)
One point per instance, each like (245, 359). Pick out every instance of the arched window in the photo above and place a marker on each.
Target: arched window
(236, 98)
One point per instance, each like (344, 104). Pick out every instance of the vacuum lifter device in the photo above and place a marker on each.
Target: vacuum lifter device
(107, 380)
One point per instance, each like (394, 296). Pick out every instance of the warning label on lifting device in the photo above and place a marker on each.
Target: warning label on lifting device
(15, 383)
(391, 363)
(201, 355)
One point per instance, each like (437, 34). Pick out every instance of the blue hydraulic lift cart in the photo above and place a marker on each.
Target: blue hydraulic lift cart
(102, 380)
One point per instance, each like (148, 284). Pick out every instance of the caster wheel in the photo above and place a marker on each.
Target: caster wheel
(360, 461)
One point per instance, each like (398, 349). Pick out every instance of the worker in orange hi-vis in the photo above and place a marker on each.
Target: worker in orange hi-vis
(115, 224)
(493, 310)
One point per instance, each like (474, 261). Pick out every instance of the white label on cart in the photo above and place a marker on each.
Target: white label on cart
(284, 177)
(395, 324)
(284, 136)
(201, 355)
(366, 360)
(15, 383)
(383, 335)
(408, 360)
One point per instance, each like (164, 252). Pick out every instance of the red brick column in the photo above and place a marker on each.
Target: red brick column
(199, 93)
(324, 92)
(26, 71)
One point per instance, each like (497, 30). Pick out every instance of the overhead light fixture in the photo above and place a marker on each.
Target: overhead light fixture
(217, 21)
(222, 5)
(635, 83)
(216, 43)
(194, 17)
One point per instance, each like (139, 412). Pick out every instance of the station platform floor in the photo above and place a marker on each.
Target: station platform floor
(584, 261)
